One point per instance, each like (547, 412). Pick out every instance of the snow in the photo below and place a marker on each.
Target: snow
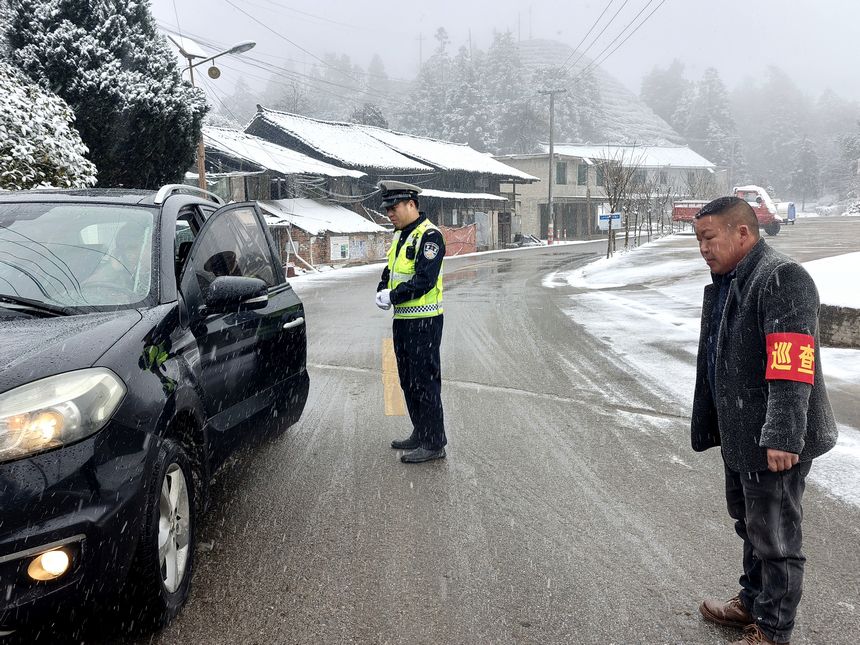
(445, 155)
(343, 142)
(443, 194)
(646, 305)
(39, 145)
(317, 217)
(247, 147)
(642, 156)
(836, 279)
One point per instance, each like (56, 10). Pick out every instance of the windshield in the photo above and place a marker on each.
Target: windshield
(76, 255)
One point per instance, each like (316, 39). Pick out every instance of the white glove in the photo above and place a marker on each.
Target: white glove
(383, 299)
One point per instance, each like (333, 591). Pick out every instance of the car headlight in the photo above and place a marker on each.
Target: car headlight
(57, 410)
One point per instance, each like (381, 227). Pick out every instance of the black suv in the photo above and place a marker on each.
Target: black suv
(139, 332)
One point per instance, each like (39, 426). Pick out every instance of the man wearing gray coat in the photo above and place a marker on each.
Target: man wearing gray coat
(760, 396)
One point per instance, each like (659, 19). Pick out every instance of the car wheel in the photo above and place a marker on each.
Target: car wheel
(161, 575)
(772, 228)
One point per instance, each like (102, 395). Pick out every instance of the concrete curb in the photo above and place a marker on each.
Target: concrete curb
(839, 326)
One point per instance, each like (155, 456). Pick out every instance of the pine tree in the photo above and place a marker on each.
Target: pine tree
(39, 146)
(804, 178)
(106, 59)
(663, 89)
(709, 124)
(467, 115)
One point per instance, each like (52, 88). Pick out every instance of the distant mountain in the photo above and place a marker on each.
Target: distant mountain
(624, 117)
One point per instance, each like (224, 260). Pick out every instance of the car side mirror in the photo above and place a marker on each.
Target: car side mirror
(235, 293)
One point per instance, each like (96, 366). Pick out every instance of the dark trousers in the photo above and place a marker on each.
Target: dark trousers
(416, 346)
(767, 512)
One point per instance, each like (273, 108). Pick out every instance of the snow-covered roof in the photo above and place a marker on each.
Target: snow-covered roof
(444, 194)
(318, 217)
(247, 147)
(445, 155)
(642, 156)
(341, 142)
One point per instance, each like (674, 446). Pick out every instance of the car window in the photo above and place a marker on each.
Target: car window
(186, 231)
(76, 254)
(236, 245)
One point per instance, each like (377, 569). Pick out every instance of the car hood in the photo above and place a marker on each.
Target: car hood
(33, 348)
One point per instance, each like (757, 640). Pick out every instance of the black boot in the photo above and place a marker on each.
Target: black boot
(406, 444)
(420, 455)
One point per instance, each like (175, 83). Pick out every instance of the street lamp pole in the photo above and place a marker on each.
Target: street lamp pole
(201, 146)
(238, 48)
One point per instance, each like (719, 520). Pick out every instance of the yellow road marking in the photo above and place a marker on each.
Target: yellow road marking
(393, 395)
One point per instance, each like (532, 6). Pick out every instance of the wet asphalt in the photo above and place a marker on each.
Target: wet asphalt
(570, 508)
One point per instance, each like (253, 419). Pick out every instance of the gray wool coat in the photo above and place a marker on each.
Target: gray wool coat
(771, 293)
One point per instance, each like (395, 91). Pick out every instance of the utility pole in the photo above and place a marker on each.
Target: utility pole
(550, 211)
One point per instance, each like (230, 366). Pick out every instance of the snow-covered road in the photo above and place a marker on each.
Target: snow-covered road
(645, 305)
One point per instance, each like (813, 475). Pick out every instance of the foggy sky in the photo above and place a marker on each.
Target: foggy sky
(814, 43)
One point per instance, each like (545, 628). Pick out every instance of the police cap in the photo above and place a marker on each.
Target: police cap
(397, 191)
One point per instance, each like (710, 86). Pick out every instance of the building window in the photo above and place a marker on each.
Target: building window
(561, 172)
(664, 178)
(638, 178)
(598, 175)
(582, 174)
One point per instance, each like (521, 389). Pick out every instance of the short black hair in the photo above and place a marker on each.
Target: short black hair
(741, 211)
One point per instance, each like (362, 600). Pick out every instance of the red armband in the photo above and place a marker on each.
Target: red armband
(790, 357)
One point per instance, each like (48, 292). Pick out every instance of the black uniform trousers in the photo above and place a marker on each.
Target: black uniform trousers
(766, 507)
(416, 346)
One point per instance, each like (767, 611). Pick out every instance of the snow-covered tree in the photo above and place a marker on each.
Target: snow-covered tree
(106, 59)
(424, 111)
(663, 89)
(707, 120)
(369, 114)
(467, 115)
(39, 146)
(804, 177)
(240, 105)
(773, 114)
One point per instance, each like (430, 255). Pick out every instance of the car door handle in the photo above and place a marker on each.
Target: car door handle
(294, 323)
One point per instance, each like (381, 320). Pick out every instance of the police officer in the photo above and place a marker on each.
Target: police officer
(412, 283)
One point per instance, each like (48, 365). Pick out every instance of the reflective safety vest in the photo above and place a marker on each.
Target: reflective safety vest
(402, 269)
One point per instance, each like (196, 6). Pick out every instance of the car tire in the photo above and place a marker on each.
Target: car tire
(160, 578)
(772, 228)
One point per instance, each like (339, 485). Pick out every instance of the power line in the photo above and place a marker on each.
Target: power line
(597, 62)
(605, 27)
(215, 45)
(324, 19)
(281, 36)
(593, 25)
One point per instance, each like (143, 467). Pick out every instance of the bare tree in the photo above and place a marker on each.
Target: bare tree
(700, 184)
(619, 169)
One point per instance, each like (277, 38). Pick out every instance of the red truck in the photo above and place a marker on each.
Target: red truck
(756, 196)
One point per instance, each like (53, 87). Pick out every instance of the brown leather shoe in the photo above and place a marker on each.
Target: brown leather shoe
(754, 636)
(731, 613)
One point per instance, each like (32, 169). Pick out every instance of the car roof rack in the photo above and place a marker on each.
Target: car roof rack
(174, 189)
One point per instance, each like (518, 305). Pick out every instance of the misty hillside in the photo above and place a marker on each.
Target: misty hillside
(625, 118)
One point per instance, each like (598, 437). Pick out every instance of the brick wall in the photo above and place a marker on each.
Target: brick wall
(362, 247)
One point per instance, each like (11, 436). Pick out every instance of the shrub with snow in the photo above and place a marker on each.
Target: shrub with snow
(39, 147)
(107, 60)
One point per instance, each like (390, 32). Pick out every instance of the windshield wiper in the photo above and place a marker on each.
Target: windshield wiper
(34, 305)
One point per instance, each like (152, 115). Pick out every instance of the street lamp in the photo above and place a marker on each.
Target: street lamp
(191, 50)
